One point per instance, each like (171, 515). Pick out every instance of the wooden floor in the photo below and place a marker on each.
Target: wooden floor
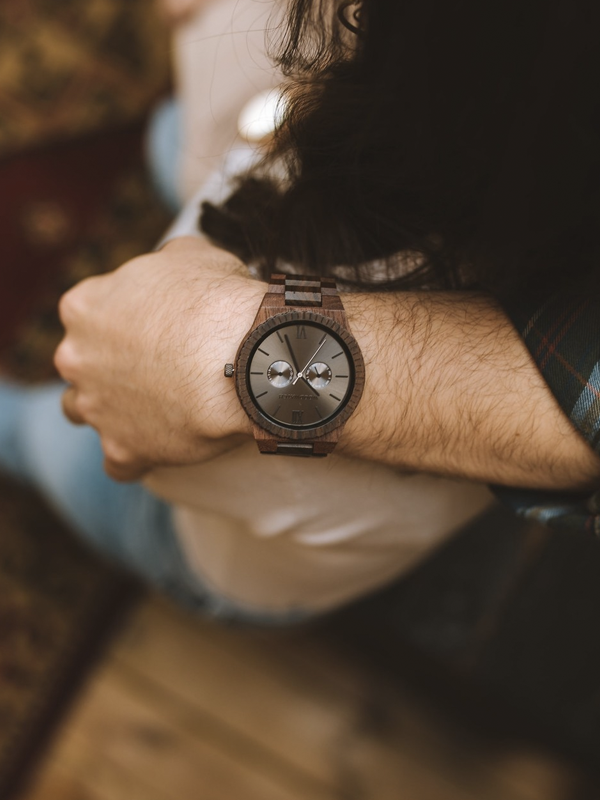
(190, 710)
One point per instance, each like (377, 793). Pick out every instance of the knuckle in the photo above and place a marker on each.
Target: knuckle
(82, 406)
(123, 473)
(73, 407)
(75, 303)
(116, 454)
(65, 360)
(113, 471)
(69, 305)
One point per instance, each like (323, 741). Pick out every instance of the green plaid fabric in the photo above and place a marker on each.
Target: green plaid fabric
(563, 337)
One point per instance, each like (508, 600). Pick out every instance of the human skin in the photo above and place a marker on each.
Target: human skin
(219, 64)
(450, 387)
(175, 12)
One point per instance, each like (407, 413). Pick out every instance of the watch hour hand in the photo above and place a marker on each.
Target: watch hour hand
(294, 361)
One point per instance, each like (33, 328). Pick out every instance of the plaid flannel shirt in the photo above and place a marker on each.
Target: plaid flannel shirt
(563, 338)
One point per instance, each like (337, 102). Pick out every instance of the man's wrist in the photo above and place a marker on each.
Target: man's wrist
(374, 321)
(238, 305)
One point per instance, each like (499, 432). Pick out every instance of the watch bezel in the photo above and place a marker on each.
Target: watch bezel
(248, 347)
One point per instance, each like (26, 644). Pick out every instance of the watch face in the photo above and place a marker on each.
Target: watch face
(300, 372)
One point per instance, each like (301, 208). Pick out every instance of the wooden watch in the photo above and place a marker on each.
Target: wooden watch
(299, 373)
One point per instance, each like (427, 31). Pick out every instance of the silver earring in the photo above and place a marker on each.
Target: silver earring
(349, 14)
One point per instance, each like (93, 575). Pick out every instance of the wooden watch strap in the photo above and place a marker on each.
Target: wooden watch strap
(303, 291)
(319, 449)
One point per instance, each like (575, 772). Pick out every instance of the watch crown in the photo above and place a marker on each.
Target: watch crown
(228, 371)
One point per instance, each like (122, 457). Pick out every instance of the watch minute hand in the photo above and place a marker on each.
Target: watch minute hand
(307, 365)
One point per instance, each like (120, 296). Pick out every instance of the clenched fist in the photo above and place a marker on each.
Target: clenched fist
(144, 350)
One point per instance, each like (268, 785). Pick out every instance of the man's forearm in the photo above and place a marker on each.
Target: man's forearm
(452, 390)
(450, 387)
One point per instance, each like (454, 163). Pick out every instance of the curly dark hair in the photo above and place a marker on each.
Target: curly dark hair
(457, 142)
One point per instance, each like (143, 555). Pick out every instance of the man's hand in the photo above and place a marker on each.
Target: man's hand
(144, 351)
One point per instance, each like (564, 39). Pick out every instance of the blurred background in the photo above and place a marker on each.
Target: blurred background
(476, 677)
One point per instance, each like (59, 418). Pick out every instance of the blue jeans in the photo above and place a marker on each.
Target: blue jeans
(162, 146)
(126, 522)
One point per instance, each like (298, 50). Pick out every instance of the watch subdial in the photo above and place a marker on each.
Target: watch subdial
(280, 374)
(318, 375)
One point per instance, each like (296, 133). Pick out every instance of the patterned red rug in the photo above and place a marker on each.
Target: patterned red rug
(67, 212)
(51, 205)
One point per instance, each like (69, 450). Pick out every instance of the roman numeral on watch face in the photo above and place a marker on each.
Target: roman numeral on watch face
(297, 417)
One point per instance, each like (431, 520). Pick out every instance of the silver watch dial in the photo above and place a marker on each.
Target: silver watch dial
(300, 375)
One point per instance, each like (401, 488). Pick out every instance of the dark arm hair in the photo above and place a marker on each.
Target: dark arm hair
(456, 141)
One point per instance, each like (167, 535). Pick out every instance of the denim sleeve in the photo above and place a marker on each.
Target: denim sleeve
(563, 337)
